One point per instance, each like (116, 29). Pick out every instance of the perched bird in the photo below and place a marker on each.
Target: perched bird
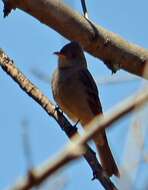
(76, 93)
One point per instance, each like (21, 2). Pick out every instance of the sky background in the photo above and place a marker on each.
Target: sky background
(31, 44)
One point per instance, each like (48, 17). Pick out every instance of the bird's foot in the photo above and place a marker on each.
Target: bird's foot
(58, 109)
(74, 128)
(94, 176)
(103, 172)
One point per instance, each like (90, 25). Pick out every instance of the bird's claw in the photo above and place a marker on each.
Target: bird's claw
(94, 176)
(75, 125)
(57, 108)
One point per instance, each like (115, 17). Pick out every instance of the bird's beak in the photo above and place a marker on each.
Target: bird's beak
(59, 54)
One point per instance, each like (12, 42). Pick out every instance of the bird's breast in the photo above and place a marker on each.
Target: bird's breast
(70, 94)
(63, 89)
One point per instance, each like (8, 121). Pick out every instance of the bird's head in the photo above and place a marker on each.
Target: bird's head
(71, 55)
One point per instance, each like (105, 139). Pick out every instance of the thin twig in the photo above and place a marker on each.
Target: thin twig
(27, 145)
(85, 12)
(102, 80)
(7, 65)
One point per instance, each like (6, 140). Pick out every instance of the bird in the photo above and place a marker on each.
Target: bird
(76, 94)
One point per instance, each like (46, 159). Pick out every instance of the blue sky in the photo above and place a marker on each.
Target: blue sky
(31, 44)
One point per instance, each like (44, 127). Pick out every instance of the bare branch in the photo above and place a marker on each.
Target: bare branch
(40, 174)
(75, 149)
(26, 145)
(102, 80)
(131, 104)
(8, 66)
(114, 51)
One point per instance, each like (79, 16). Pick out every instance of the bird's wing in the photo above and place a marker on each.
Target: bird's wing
(91, 90)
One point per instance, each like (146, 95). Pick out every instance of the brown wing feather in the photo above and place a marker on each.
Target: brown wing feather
(91, 91)
(100, 139)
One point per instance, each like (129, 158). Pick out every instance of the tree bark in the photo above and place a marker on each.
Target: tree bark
(114, 51)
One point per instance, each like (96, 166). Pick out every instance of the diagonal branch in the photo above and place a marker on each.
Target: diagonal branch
(7, 65)
(75, 150)
(38, 175)
(114, 51)
(99, 123)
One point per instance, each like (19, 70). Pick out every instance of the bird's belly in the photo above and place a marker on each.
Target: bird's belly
(65, 100)
(73, 103)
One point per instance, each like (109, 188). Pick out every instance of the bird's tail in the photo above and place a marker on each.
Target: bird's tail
(106, 157)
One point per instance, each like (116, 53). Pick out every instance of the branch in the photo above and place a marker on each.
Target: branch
(102, 80)
(85, 12)
(99, 123)
(75, 149)
(114, 51)
(38, 175)
(7, 65)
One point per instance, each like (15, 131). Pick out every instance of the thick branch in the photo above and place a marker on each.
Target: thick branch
(8, 66)
(115, 52)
